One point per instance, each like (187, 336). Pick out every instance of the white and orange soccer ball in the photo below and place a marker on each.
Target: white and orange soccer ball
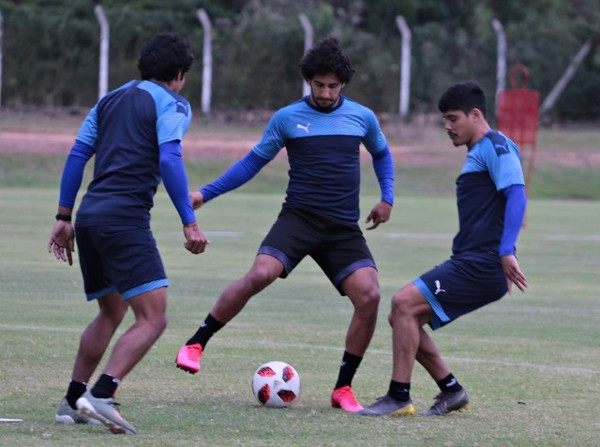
(276, 384)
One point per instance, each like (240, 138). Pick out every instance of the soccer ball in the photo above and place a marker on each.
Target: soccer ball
(276, 384)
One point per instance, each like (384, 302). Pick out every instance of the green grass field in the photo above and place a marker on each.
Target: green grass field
(530, 362)
(566, 163)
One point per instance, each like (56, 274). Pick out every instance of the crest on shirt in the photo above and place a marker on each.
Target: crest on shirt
(181, 108)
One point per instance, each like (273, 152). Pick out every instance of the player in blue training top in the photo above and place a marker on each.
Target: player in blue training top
(135, 133)
(322, 134)
(491, 204)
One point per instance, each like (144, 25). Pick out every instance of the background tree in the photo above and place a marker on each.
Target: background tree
(50, 48)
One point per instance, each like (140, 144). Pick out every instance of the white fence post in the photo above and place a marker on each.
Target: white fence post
(1, 25)
(501, 60)
(205, 100)
(404, 66)
(104, 44)
(308, 43)
(566, 77)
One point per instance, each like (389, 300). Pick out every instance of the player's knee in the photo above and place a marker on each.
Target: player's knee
(112, 316)
(162, 323)
(157, 324)
(400, 306)
(368, 301)
(259, 278)
(374, 297)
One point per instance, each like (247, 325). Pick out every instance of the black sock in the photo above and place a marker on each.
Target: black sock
(106, 386)
(399, 390)
(206, 330)
(449, 383)
(348, 367)
(74, 392)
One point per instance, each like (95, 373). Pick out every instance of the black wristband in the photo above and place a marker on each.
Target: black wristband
(63, 217)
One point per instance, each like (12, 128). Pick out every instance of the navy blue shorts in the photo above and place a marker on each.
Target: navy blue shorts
(119, 258)
(461, 285)
(338, 247)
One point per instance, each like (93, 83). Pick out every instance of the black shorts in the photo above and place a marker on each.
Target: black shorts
(119, 258)
(461, 285)
(338, 247)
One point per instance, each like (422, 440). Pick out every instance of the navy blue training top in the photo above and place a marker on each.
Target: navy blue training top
(323, 148)
(125, 130)
(492, 165)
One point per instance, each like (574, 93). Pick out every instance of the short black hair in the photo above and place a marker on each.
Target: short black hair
(464, 96)
(327, 57)
(164, 56)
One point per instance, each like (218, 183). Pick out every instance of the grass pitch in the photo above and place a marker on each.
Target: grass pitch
(530, 362)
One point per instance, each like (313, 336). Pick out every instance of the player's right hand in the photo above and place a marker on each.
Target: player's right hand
(195, 240)
(62, 241)
(513, 273)
(379, 214)
(197, 199)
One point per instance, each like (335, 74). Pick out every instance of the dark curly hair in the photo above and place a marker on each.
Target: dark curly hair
(326, 57)
(164, 56)
(464, 96)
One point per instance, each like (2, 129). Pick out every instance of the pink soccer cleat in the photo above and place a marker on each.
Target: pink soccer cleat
(188, 358)
(344, 398)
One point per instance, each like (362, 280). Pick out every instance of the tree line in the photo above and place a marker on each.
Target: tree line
(50, 48)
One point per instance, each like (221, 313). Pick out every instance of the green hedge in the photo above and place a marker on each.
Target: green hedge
(50, 48)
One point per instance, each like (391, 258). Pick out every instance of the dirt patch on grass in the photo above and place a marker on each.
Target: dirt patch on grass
(229, 137)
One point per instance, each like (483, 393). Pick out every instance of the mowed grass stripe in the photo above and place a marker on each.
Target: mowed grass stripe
(530, 362)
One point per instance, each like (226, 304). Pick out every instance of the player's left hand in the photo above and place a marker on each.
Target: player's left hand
(62, 241)
(513, 273)
(379, 214)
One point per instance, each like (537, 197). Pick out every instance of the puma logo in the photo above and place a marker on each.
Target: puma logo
(438, 286)
(305, 128)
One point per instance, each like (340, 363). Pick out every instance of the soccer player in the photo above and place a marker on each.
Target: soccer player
(322, 133)
(135, 133)
(491, 203)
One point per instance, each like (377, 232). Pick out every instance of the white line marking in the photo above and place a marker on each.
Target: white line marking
(573, 237)
(419, 235)
(269, 343)
(231, 234)
(537, 366)
(546, 237)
